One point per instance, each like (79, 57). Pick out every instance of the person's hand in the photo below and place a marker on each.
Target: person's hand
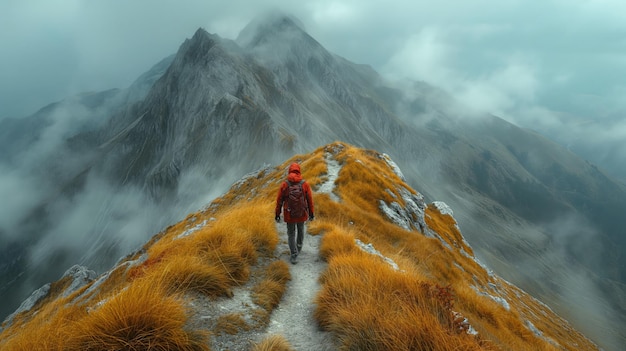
(311, 217)
(277, 219)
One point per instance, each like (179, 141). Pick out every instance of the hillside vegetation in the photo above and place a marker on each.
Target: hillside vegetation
(398, 276)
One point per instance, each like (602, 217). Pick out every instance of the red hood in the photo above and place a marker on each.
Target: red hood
(294, 173)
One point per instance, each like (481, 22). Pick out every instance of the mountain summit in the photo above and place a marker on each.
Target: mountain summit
(380, 270)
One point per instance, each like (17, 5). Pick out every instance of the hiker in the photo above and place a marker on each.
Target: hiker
(295, 198)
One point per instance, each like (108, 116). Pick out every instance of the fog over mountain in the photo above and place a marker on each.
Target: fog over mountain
(553, 66)
(100, 172)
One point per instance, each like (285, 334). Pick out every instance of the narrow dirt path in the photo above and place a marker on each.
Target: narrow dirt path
(293, 318)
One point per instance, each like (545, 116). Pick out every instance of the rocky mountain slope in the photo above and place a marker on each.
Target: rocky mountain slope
(540, 216)
(380, 270)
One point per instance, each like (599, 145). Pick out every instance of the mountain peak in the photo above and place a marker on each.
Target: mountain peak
(379, 270)
(269, 25)
(278, 39)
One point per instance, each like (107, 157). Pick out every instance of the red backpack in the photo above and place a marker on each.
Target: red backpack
(296, 203)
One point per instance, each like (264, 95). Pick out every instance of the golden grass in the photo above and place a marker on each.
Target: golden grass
(268, 292)
(46, 330)
(225, 248)
(278, 271)
(209, 261)
(231, 323)
(190, 273)
(337, 241)
(445, 226)
(273, 343)
(416, 315)
(140, 317)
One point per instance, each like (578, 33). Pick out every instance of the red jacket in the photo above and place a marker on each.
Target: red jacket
(294, 177)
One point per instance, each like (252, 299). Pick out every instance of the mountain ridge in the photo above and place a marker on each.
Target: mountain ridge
(361, 232)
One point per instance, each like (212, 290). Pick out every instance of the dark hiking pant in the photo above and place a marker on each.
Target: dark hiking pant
(295, 242)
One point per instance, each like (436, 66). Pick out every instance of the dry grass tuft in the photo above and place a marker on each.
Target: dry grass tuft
(261, 317)
(337, 242)
(190, 273)
(416, 315)
(47, 330)
(231, 324)
(268, 292)
(140, 317)
(273, 343)
(278, 271)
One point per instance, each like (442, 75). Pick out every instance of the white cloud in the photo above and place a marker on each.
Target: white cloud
(424, 57)
(21, 193)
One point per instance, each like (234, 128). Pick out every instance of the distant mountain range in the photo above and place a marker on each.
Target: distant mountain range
(539, 215)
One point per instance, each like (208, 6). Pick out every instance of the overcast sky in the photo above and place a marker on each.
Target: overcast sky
(514, 58)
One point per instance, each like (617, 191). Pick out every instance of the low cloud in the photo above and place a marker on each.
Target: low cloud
(22, 193)
(99, 218)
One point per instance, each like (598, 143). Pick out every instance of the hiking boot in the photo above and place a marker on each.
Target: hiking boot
(294, 259)
(299, 249)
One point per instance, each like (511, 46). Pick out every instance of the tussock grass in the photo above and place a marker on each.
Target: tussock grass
(230, 324)
(47, 330)
(445, 226)
(273, 343)
(140, 317)
(369, 306)
(231, 243)
(278, 271)
(314, 169)
(268, 292)
(190, 273)
(337, 241)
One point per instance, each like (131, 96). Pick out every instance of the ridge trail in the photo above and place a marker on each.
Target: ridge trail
(293, 318)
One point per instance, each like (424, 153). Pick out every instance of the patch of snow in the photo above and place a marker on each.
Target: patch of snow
(443, 208)
(533, 329)
(459, 267)
(466, 254)
(328, 187)
(192, 229)
(539, 334)
(500, 300)
(369, 248)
